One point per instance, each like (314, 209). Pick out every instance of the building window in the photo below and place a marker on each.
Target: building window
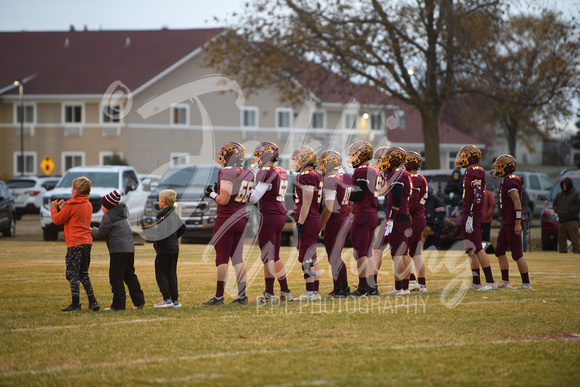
(28, 114)
(284, 117)
(180, 115)
(400, 115)
(179, 158)
(110, 158)
(451, 159)
(111, 114)
(376, 121)
(29, 163)
(350, 121)
(72, 159)
(73, 114)
(318, 120)
(250, 117)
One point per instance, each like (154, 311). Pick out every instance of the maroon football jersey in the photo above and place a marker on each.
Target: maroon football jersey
(418, 196)
(473, 192)
(506, 204)
(273, 200)
(304, 179)
(399, 176)
(242, 181)
(369, 202)
(341, 183)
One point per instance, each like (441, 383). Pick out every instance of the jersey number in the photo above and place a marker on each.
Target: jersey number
(347, 192)
(244, 192)
(378, 186)
(282, 190)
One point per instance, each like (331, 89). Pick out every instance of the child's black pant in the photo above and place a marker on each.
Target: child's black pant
(166, 274)
(78, 259)
(121, 272)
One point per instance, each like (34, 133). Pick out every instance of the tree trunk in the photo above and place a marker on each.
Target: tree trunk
(430, 117)
(512, 139)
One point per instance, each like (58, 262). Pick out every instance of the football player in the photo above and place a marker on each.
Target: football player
(510, 233)
(367, 182)
(308, 192)
(417, 201)
(337, 187)
(377, 258)
(270, 192)
(473, 186)
(396, 227)
(234, 186)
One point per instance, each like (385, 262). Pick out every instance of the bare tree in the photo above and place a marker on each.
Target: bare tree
(414, 50)
(531, 71)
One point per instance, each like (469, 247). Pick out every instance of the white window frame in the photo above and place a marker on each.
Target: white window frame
(179, 106)
(290, 113)
(102, 115)
(381, 118)
(347, 118)
(400, 114)
(26, 104)
(256, 111)
(63, 112)
(26, 155)
(451, 156)
(64, 155)
(323, 113)
(178, 158)
(104, 154)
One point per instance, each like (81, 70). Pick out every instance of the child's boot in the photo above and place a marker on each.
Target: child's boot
(75, 306)
(93, 304)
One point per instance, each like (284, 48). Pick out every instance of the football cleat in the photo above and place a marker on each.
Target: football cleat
(286, 296)
(329, 160)
(414, 286)
(306, 296)
(267, 297)
(374, 291)
(265, 152)
(473, 286)
(423, 288)
(393, 157)
(343, 293)
(72, 308)
(214, 301)
(414, 161)
(488, 287)
(317, 296)
(504, 165)
(361, 291)
(504, 284)
(302, 157)
(243, 300)
(467, 155)
(358, 153)
(232, 153)
(394, 292)
(525, 287)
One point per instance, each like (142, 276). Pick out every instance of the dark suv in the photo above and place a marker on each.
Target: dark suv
(7, 211)
(549, 217)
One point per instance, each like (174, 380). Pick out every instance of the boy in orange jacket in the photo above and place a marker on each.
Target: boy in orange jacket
(75, 214)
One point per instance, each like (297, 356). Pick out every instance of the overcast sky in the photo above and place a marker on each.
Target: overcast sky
(58, 15)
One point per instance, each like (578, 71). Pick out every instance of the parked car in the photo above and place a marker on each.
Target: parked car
(197, 212)
(537, 184)
(7, 211)
(28, 190)
(549, 216)
(104, 179)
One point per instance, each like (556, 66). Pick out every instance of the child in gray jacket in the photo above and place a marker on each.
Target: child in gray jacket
(116, 230)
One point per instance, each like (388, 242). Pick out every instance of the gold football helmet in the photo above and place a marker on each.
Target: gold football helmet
(414, 161)
(359, 152)
(379, 152)
(302, 157)
(264, 153)
(467, 155)
(232, 153)
(394, 157)
(329, 160)
(504, 165)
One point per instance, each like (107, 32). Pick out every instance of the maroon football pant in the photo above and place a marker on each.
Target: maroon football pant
(335, 233)
(309, 238)
(362, 233)
(228, 240)
(270, 236)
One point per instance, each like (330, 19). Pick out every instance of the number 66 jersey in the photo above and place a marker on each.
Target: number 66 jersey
(242, 181)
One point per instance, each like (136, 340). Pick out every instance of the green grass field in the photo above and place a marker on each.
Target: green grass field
(444, 337)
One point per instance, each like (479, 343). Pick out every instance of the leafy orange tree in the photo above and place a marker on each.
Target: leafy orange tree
(415, 51)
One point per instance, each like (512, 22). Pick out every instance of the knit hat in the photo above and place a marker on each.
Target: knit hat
(111, 199)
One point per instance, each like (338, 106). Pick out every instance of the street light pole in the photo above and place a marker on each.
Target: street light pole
(21, 117)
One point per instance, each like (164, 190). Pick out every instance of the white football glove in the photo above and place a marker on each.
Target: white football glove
(389, 227)
(469, 225)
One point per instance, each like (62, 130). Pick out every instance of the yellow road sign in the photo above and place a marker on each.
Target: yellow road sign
(47, 165)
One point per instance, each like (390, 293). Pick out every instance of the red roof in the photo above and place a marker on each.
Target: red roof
(87, 62)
